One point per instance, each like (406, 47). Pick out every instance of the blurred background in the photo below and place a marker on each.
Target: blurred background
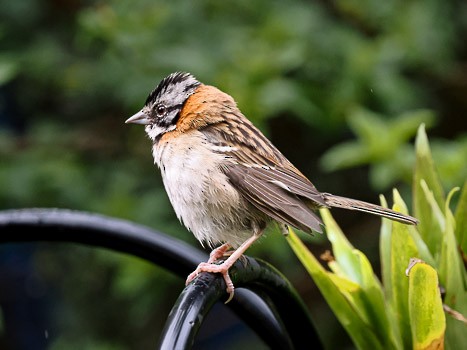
(339, 86)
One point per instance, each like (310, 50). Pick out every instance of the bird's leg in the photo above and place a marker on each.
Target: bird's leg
(219, 252)
(225, 266)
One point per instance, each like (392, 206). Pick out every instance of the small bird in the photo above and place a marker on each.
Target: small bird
(225, 180)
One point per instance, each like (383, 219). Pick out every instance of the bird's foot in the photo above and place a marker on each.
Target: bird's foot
(224, 267)
(214, 268)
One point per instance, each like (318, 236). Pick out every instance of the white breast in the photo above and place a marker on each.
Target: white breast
(200, 193)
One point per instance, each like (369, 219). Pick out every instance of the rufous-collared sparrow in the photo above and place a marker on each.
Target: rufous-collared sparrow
(226, 181)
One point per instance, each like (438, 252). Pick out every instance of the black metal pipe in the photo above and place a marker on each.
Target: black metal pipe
(282, 302)
(295, 326)
(62, 225)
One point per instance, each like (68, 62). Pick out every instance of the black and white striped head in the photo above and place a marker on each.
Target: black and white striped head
(163, 105)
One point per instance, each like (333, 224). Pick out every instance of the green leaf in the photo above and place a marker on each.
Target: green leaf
(335, 290)
(385, 250)
(354, 265)
(425, 170)
(436, 220)
(461, 222)
(427, 319)
(422, 248)
(450, 266)
(343, 251)
(452, 278)
(424, 167)
(402, 249)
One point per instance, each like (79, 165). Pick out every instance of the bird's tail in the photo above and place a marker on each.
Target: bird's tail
(354, 204)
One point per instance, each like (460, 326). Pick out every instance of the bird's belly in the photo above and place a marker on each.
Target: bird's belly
(201, 194)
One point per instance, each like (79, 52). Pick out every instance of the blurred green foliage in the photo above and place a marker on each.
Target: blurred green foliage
(309, 74)
(382, 143)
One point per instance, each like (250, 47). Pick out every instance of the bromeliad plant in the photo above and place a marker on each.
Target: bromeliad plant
(421, 301)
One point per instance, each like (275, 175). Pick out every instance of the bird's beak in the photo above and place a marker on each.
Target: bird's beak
(139, 118)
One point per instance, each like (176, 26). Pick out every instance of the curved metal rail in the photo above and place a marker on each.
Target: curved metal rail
(274, 311)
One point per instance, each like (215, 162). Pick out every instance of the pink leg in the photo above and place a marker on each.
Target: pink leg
(225, 266)
(218, 253)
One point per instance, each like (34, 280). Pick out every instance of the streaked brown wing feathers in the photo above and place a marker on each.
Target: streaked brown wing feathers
(295, 184)
(256, 186)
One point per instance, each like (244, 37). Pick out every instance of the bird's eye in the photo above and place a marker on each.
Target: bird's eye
(160, 110)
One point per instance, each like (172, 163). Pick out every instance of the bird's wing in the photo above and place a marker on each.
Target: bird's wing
(265, 177)
(265, 189)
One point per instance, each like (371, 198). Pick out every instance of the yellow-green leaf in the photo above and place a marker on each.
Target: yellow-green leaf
(402, 249)
(353, 265)
(344, 310)
(342, 249)
(428, 323)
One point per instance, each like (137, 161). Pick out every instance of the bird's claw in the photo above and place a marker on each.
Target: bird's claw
(214, 268)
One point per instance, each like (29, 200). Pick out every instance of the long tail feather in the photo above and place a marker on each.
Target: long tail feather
(354, 204)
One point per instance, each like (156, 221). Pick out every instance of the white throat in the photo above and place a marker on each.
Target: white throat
(154, 131)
